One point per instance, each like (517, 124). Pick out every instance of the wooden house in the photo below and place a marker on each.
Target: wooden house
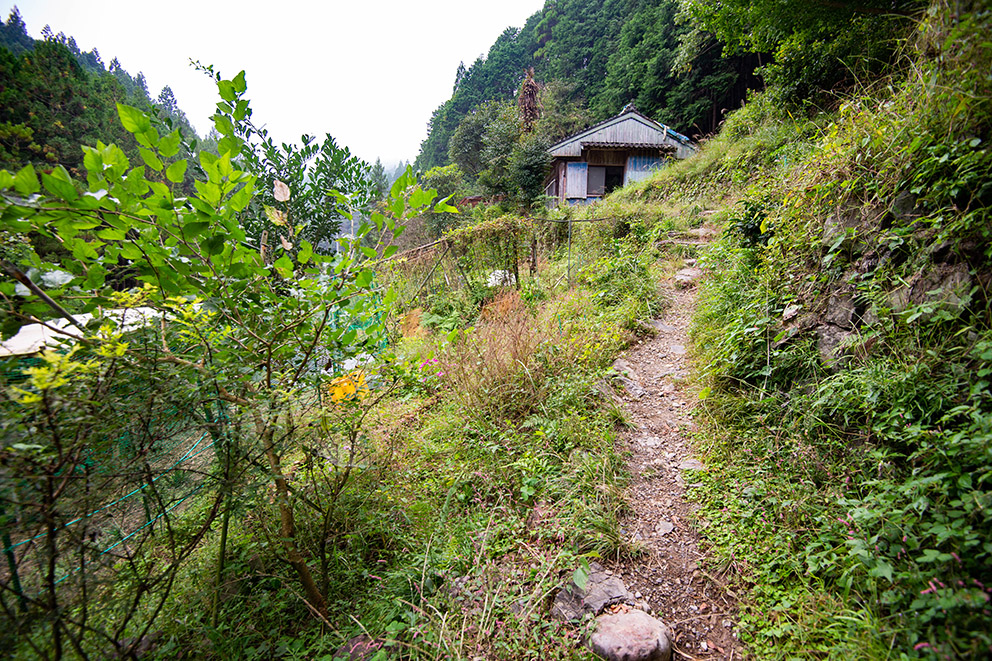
(621, 150)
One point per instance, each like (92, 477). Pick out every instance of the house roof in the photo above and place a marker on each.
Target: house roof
(629, 129)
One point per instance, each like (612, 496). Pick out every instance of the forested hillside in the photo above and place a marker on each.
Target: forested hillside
(606, 54)
(54, 98)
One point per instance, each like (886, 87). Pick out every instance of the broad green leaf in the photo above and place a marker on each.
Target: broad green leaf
(389, 251)
(192, 230)
(305, 253)
(61, 188)
(420, 198)
(239, 83)
(882, 570)
(214, 244)
(168, 146)
(6, 179)
(238, 270)
(111, 234)
(96, 276)
(92, 160)
(227, 91)
(26, 181)
(240, 110)
(201, 206)
(135, 181)
(150, 159)
(133, 119)
(364, 278)
(284, 266)
(209, 191)
(443, 207)
(131, 251)
(242, 197)
(349, 337)
(148, 137)
(230, 146)
(580, 577)
(368, 252)
(397, 206)
(82, 249)
(176, 171)
(223, 125)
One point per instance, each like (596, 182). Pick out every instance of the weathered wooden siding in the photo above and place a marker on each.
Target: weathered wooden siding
(576, 178)
(641, 167)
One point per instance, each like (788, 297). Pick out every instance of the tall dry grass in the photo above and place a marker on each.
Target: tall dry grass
(497, 370)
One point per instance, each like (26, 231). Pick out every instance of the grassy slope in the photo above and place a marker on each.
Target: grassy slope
(851, 496)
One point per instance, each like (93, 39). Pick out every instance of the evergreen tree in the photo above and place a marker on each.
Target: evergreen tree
(14, 33)
(379, 179)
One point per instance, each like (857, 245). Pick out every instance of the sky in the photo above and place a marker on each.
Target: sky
(369, 72)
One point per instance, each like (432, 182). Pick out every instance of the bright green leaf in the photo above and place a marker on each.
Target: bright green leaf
(169, 145)
(284, 266)
(176, 171)
(133, 119)
(150, 159)
(59, 187)
(26, 181)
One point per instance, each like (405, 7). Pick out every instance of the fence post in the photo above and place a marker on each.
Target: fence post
(569, 253)
(8, 550)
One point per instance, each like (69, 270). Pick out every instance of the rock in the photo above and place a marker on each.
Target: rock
(677, 350)
(633, 387)
(664, 527)
(703, 232)
(499, 278)
(828, 339)
(359, 648)
(904, 206)
(622, 367)
(664, 328)
(841, 310)
(606, 390)
(844, 223)
(648, 441)
(945, 286)
(601, 590)
(631, 636)
(691, 465)
(688, 275)
(138, 648)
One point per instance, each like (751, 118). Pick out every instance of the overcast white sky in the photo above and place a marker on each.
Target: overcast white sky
(369, 72)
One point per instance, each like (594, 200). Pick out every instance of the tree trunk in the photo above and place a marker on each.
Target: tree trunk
(288, 528)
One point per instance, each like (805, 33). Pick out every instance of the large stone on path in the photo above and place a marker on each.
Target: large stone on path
(601, 590)
(631, 636)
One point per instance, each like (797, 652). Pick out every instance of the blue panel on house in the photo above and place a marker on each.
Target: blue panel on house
(576, 180)
(641, 167)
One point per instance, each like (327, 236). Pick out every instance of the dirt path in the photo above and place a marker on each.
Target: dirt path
(669, 575)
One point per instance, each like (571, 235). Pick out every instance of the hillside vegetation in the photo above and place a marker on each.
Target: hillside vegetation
(844, 349)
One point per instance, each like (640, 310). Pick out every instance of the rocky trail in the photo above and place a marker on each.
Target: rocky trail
(668, 576)
(665, 602)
